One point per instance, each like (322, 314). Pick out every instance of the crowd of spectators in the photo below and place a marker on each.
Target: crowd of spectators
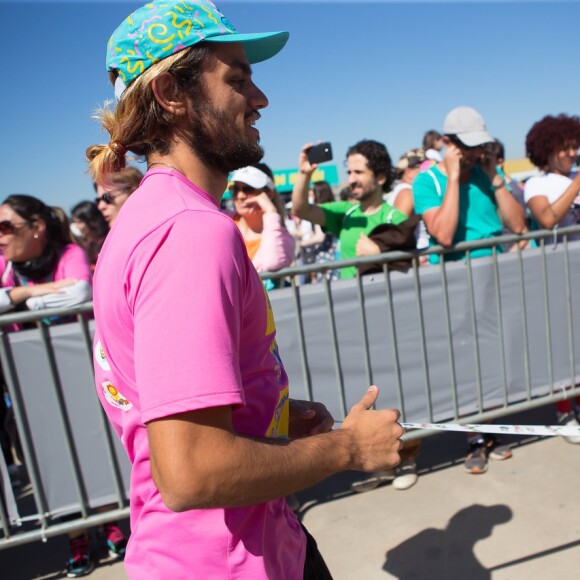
(46, 262)
(452, 189)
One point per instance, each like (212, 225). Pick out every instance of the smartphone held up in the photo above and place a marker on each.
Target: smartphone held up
(319, 153)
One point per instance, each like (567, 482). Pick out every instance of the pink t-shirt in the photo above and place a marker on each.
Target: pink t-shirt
(182, 323)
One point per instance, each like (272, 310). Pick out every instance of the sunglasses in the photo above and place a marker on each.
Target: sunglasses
(108, 196)
(459, 143)
(235, 190)
(8, 228)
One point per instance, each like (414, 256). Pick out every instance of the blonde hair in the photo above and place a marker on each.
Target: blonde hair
(138, 123)
(127, 178)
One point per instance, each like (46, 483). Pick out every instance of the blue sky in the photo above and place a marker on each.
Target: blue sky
(351, 70)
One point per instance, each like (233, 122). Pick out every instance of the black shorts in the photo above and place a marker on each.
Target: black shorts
(314, 565)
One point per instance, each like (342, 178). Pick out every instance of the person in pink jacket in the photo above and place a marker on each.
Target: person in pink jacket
(260, 219)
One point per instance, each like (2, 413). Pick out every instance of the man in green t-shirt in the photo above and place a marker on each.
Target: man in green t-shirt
(369, 170)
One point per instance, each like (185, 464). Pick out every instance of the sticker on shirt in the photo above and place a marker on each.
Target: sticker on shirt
(115, 398)
(278, 428)
(278, 366)
(101, 357)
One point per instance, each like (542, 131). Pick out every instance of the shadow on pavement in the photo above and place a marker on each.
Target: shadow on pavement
(438, 554)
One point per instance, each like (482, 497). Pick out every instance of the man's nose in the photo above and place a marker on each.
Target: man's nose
(257, 98)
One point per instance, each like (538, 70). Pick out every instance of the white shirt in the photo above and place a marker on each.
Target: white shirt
(551, 186)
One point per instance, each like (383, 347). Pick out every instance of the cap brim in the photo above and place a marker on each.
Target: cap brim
(475, 138)
(258, 46)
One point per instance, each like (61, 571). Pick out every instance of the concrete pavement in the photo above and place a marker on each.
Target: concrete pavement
(520, 520)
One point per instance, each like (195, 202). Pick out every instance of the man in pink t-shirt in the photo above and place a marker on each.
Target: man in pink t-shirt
(186, 362)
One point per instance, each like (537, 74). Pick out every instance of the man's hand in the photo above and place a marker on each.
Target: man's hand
(375, 434)
(304, 166)
(488, 162)
(308, 418)
(366, 247)
(452, 161)
(301, 207)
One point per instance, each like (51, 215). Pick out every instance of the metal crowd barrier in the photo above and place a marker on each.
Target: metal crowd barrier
(422, 333)
(553, 318)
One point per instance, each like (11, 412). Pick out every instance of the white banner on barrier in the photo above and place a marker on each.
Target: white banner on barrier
(541, 430)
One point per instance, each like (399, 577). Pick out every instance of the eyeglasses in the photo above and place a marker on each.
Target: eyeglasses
(8, 228)
(235, 190)
(108, 196)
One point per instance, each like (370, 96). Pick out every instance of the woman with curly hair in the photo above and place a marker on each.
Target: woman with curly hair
(552, 146)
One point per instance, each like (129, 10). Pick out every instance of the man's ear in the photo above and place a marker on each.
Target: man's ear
(381, 178)
(164, 88)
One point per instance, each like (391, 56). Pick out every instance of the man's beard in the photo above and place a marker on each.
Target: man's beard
(365, 195)
(217, 144)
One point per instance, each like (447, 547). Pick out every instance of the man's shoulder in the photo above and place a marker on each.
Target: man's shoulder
(429, 184)
(142, 229)
(339, 206)
(391, 214)
(198, 225)
(428, 176)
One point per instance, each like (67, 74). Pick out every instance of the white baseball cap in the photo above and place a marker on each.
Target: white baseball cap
(468, 126)
(253, 177)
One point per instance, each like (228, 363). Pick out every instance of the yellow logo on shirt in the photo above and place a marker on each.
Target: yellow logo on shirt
(278, 428)
(270, 322)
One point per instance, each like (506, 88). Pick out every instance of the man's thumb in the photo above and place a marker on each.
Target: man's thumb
(369, 398)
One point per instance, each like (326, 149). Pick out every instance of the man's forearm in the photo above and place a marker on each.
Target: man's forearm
(444, 223)
(198, 461)
(239, 470)
(511, 211)
(300, 195)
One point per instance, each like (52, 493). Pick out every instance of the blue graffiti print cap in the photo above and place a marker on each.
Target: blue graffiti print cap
(161, 28)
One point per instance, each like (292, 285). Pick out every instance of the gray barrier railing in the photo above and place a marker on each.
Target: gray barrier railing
(463, 341)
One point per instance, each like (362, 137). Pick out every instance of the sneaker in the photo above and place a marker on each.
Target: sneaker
(569, 419)
(481, 449)
(80, 562)
(476, 460)
(116, 540)
(496, 449)
(405, 475)
(372, 482)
